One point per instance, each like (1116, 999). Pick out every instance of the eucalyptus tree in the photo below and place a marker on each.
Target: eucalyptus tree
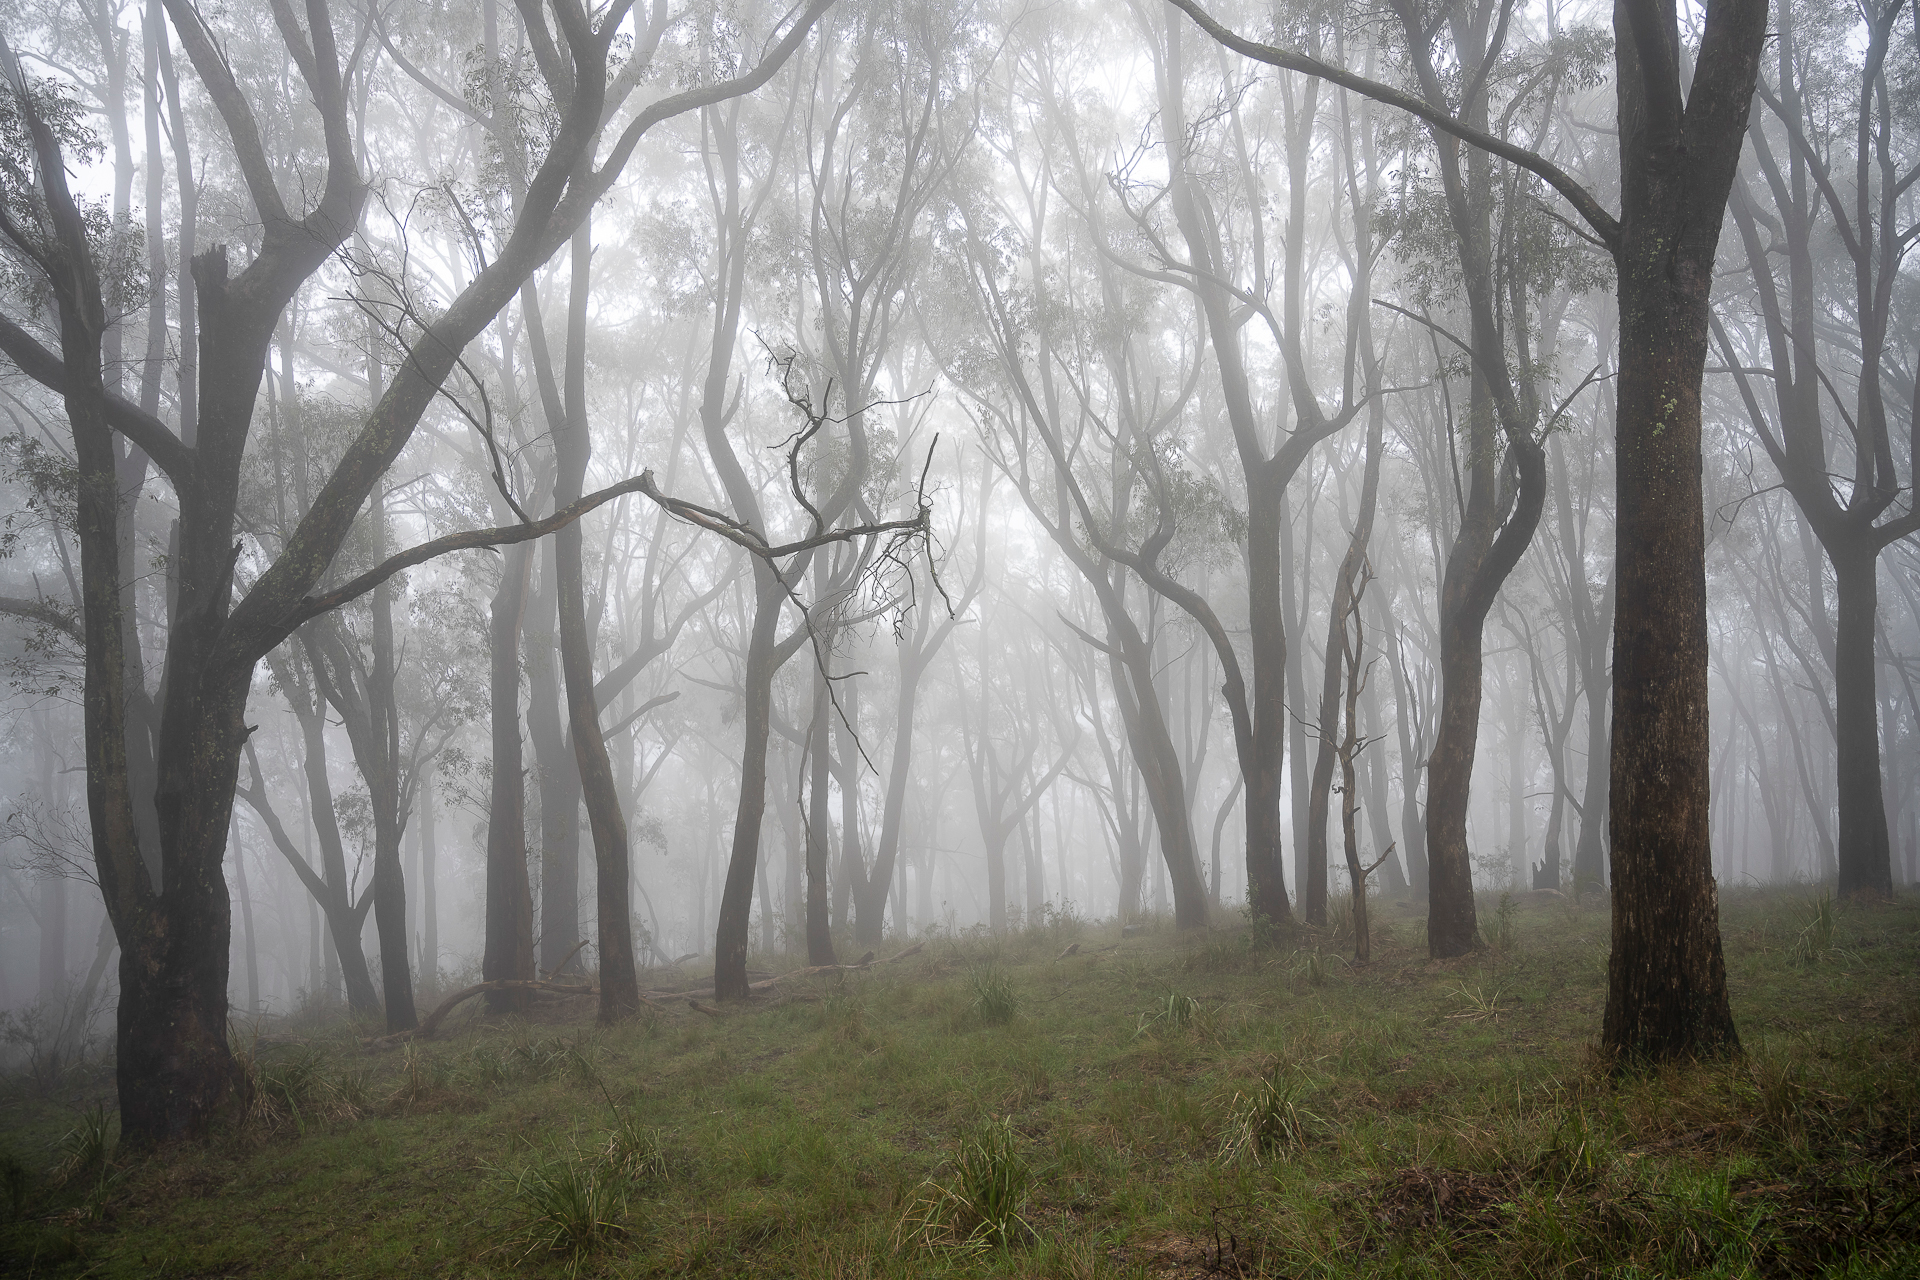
(170, 904)
(1509, 258)
(1783, 596)
(1082, 378)
(918, 640)
(1679, 151)
(1837, 325)
(1003, 728)
(744, 174)
(1584, 600)
(1226, 267)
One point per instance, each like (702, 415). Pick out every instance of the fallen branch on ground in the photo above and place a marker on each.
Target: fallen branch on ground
(768, 984)
(431, 1023)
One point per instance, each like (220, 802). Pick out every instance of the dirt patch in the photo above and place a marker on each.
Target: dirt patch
(1413, 1097)
(1420, 1199)
(1183, 1256)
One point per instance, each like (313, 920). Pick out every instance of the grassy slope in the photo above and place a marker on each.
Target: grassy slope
(1397, 1119)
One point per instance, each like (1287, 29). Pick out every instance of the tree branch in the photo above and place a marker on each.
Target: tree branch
(1604, 224)
(47, 614)
(153, 437)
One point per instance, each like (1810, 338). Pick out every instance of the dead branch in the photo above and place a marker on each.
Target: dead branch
(555, 971)
(431, 1023)
(768, 984)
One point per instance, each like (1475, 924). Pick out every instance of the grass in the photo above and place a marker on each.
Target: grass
(1157, 1105)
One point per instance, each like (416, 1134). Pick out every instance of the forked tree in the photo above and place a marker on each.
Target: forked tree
(1796, 146)
(169, 904)
(1679, 150)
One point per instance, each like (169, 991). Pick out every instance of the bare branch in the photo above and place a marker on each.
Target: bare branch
(1604, 224)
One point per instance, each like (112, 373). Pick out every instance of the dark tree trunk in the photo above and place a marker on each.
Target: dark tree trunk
(1313, 853)
(733, 931)
(1864, 852)
(429, 885)
(573, 447)
(1159, 764)
(508, 950)
(382, 773)
(819, 827)
(1452, 926)
(1265, 769)
(1666, 980)
(1590, 854)
(559, 778)
(345, 918)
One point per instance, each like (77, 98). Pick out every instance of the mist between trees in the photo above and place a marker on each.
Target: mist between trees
(501, 493)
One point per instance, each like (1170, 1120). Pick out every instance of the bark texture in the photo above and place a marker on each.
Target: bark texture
(1666, 979)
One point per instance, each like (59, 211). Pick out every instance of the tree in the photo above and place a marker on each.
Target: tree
(1679, 151)
(1800, 438)
(169, 904)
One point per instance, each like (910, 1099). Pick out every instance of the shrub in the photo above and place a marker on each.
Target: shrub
(979, 1207)
(567, 1204)
(1267, 1120)
(994, 999)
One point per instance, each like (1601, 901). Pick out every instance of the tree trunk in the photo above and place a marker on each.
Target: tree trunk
(1590, 854)
(1265, 780)
(344, 922)
(732, 932)
(429, 885)
(619, 984)
(1452, 925)
(508, 953)
(382, 773)
(846, 770)
(559, 778)
(1159, 764)
(1350, 845)
(246, 925)
(1313, 849)
(1666, 979)
(819, 826)
(870, 899)
(1864, 852)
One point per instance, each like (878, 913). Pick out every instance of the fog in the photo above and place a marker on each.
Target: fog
(1009, 461)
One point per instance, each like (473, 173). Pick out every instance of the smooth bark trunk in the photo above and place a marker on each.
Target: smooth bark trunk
(508, 942)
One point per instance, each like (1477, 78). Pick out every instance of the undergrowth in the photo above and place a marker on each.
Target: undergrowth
(1061, 1101)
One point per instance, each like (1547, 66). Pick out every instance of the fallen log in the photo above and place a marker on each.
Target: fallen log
(768, 984)
(431, 1023)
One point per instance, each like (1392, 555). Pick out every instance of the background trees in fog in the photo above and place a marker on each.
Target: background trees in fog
(967, 443)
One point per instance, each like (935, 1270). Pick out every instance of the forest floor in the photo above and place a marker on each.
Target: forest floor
(1155, 1105)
